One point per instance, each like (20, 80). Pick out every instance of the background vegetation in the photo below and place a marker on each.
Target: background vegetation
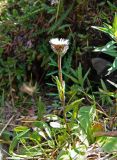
(27, 65)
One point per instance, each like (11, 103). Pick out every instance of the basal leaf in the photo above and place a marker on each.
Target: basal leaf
(86, 117)
(108, 144)
(16, 140)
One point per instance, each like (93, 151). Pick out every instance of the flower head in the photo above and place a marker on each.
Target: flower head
(59, 46)
(29, 89)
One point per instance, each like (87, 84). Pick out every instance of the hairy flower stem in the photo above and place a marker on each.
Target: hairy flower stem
(61, 78)
(60, 69)
(63, 96)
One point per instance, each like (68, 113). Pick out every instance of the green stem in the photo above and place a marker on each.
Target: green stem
(58, 8)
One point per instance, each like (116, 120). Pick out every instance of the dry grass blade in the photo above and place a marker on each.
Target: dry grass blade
(6, 125)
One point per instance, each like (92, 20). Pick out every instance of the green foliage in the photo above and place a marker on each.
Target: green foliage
(73, 153)
(80, 82)
(111, 30)
(109, 48)
(108, 144)
(104, 94)
(44, 137)
(78, 77)
(73, 105)
(30, 140)
(61, 88)
(41, 108)
(60, 20)
(25, 30)
(112, 6)
(86, 118)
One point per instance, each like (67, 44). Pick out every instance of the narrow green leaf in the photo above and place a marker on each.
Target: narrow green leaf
(72, 78)
(80, 76)
(109, 49)
(60, 21)
(16, 140)
(86, 75)
(113, 67)
(112, 6)
(107, 29)
(41, 108)
(52, 73)
(20, 128)
(73, 104)
(115, 23)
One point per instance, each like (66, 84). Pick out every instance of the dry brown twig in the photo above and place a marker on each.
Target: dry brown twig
(110, 134)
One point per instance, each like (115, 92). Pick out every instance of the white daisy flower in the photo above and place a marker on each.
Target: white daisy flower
(59, 46)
